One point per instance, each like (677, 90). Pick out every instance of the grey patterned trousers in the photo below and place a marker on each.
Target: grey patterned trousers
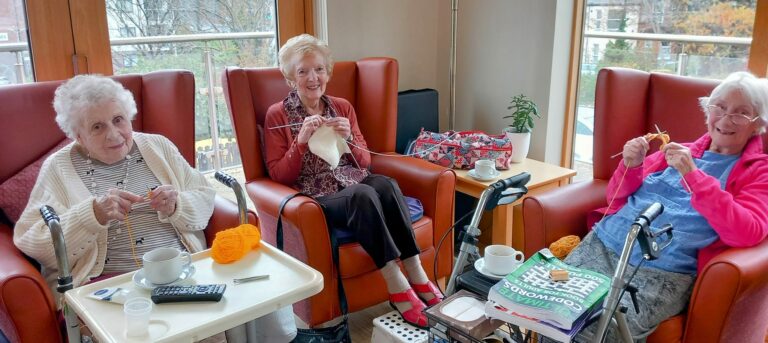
(661, 294)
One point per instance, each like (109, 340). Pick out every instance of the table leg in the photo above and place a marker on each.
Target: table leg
(501, 229)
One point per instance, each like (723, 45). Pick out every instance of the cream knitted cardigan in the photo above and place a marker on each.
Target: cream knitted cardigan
(59, 186)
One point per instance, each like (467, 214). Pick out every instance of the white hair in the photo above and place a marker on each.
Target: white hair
(82, 93)
(302, 45)
(754, 88)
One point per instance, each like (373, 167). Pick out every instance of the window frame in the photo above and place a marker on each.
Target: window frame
(63, 46)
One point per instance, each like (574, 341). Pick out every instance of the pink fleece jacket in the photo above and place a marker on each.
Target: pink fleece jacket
(739, 214)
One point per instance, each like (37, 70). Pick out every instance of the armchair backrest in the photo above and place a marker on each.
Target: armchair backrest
(628, 103)
(370, 85)
(29, 131)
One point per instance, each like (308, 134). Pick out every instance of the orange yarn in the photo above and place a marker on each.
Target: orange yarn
(563, 246)
(232, 244)
(663, 137)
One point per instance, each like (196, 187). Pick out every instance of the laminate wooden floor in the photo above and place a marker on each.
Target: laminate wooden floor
(360, 325)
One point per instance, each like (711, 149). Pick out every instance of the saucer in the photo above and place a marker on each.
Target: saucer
(141, 281)
(480, 267)
(474, 175)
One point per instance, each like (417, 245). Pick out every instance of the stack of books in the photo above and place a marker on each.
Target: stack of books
(529, 298)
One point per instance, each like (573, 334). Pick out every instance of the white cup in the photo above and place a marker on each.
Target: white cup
(137, 312)
(165, 265)
(502, 259)
(485, 168)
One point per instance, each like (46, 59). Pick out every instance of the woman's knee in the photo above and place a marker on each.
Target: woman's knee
(383, 184)
(363, 194)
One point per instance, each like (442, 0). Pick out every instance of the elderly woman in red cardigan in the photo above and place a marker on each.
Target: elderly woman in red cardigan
(370, 206)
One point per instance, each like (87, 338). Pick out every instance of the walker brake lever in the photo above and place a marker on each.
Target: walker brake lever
(511, 195)
(507, 190)
(666, 229)
(633, 293)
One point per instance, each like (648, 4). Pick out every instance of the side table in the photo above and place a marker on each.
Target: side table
(507, 227)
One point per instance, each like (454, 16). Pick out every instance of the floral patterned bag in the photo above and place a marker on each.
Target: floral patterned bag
(462, 149)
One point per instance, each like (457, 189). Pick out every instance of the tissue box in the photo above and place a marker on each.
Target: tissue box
(461, 317)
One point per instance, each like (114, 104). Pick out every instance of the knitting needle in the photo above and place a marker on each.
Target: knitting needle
(287, 125)
(687, 187)
(149, 192)
(621, 152)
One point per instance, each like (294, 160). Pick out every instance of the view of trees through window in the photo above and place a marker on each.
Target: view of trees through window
(203, 36)
(15, 66)
(612, 38)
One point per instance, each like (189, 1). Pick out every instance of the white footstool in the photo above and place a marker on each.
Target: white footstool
(391, 328)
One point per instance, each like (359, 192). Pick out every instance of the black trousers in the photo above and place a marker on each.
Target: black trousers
(376, 211)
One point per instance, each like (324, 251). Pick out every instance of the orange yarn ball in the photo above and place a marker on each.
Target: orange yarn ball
(563, 246)
(232, 244)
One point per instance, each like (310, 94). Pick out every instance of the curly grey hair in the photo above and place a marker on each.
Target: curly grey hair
(754, 88)
(302, 45)
(83, 93)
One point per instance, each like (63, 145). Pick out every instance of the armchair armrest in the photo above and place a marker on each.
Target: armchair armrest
(225, 216)
(303, 221)
(434, 186)
(731, 287)
(27, 307)
(560, 212)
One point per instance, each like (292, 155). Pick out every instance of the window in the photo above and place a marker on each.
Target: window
(715, 58)
(254, 46)
(595, 53)
(124, 5)
(127, 32)
(616, 20)
(598, 20)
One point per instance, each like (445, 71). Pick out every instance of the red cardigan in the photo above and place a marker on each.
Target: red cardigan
(284, 154)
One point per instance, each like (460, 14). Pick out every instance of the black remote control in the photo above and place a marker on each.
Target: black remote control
(172, 294)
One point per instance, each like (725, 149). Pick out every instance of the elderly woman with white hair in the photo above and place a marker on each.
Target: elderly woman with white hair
(100, 187)
(119, 194)
(714, 192)
(370, 206)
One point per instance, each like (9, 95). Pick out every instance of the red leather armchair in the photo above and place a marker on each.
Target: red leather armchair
(730, 297)
(371, 86)
(165, 103)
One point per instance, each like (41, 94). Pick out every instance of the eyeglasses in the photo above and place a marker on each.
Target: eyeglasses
(739, 119)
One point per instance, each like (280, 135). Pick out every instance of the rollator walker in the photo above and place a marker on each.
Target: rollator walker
(508, 191)
(64, 280)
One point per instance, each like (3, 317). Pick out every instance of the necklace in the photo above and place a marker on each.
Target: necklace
(122, 185)
(91, 172)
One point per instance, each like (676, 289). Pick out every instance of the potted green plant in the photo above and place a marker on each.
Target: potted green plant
(519, 131)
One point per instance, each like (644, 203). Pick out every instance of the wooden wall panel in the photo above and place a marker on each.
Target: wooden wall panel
(294, 17)
(50, 34)
(758, 52)
(566, 160)
(91, 37)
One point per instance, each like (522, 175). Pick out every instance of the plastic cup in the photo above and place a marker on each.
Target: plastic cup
(137, 312)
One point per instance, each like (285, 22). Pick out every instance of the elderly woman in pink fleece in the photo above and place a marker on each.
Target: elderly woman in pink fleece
(714, 192)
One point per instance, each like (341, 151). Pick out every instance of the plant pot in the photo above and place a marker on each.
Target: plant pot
(520, 144)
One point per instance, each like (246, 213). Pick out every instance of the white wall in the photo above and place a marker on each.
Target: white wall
(505, 47)
(404, 29)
